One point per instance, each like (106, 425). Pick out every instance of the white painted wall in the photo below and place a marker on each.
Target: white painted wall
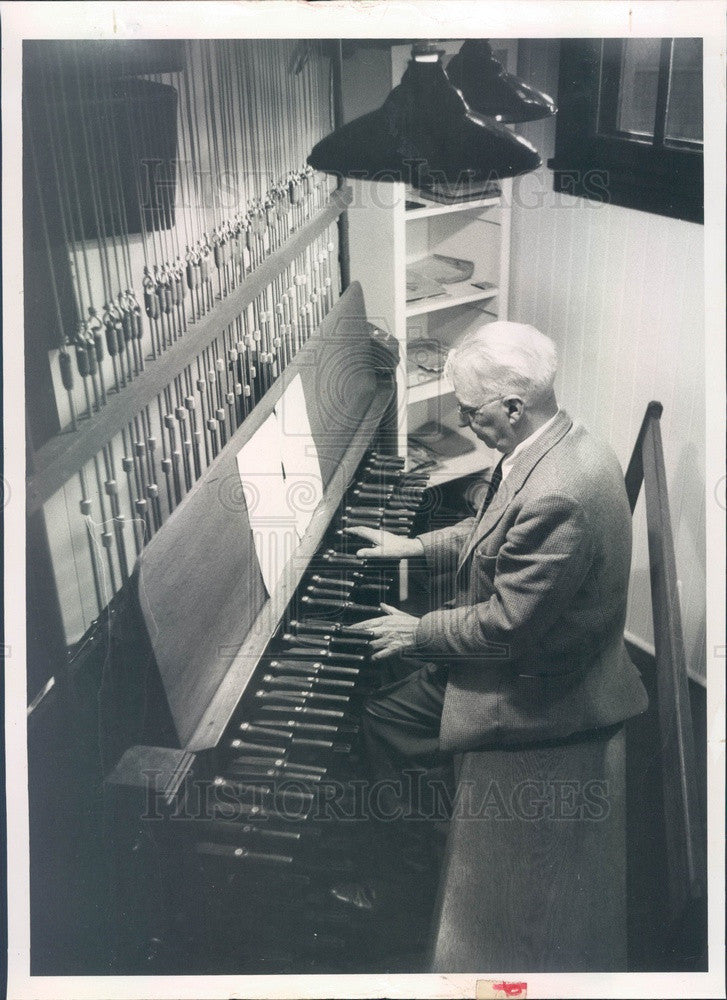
(622, 294)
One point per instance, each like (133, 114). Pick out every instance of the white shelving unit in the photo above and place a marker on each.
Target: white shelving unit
(385, 239)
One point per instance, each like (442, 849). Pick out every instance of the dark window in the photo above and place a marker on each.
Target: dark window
(630, 124)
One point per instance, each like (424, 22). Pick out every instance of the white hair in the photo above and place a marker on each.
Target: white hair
(506, 357)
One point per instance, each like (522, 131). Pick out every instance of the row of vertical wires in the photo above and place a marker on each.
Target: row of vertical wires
(158, 177)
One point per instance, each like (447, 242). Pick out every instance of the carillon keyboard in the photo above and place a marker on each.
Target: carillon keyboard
(274, 820)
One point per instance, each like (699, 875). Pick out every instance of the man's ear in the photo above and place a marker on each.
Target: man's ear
(515, 407)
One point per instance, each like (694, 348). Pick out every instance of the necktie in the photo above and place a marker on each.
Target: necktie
(493, 487)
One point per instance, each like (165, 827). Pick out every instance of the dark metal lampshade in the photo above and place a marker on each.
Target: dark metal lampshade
(424, 133)
(491, 91)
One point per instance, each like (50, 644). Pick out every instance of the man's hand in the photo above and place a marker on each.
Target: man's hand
(386, 545)
(393, 633)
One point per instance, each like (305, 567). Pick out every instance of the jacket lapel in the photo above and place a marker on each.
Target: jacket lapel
(524, 465)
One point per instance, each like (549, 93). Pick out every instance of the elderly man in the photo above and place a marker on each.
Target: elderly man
(531, 647)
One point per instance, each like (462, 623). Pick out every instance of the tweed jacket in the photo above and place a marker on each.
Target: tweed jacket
(534, 634)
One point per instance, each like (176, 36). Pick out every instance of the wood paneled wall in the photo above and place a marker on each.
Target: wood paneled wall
(622, 294)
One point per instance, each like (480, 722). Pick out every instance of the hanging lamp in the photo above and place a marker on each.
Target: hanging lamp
(424, 134)
(491, 91)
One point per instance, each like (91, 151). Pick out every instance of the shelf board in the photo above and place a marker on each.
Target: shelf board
(437, 385)
(451, 299)
(437, 208)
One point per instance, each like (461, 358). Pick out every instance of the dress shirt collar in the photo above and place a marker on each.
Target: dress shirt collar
(509, 460)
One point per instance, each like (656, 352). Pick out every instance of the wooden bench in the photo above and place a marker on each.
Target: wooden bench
(534, 876)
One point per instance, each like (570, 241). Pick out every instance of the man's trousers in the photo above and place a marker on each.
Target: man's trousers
(412, 778)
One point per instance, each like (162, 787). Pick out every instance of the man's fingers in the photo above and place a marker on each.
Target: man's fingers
(370, 624)
(403, 616)
(368, 553)
(372, 534)
(385, 651)
(378, 635)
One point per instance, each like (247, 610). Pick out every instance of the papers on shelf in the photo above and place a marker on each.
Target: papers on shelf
(451, 194)
(443, 269)
(418, 286)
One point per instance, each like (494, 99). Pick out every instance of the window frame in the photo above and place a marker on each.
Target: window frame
(594, 160)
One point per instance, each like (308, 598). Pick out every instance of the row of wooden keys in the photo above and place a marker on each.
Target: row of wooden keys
(293, 750)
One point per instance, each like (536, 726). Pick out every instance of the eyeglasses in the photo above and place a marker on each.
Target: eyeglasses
(468, 413)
